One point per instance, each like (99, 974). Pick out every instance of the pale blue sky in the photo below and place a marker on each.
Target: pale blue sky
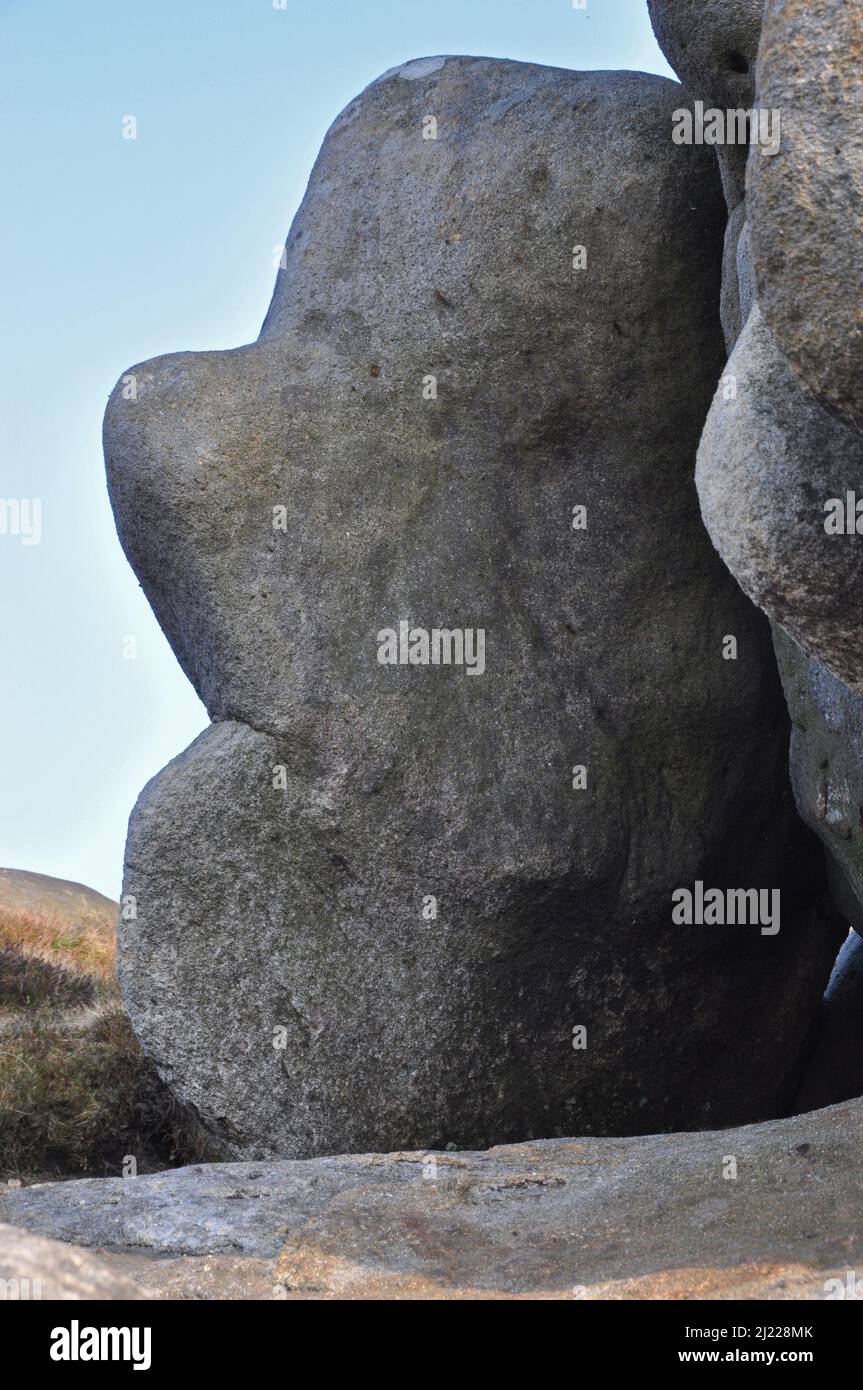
(115, 250)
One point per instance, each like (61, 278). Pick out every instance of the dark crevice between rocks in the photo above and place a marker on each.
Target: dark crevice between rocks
(831, 1070)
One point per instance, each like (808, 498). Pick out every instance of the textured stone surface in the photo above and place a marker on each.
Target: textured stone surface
(205, 1277)
(745, 274)
(835, 1068)
(395, 1024)
(712, 46)
(827, 767)
(650, 1217)
(294, 915)
(738, 290)
(806, 204)
(770, 460)
(33, 1269)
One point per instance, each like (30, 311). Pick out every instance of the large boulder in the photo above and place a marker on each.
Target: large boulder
(806, 204)
(776, 477)
(374, 904)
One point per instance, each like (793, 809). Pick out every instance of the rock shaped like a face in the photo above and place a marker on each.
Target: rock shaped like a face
(377, 903)
(712, 46)
(806, 203)
(776, 477)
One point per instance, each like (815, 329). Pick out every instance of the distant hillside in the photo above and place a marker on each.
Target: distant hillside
(68, 903)
(56, 941)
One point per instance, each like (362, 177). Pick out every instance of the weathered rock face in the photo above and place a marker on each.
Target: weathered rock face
(827, 767)
(771, 459)
(33, 1268)
(769, 1211)
(734, 314)
(835, 1068)
(806, 204)
(773, 475)
(373, 902)
(712, 46)
(806, 212)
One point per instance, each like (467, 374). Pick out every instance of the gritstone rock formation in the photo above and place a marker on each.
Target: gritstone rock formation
(712, 46)
(827, 767)
(379, 898)
(771, 460)
(777, 475)
(806, 205)
(807, 225)
(775, 470)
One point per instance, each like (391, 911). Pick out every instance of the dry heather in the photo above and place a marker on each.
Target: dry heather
(76, 1093)
(86, 950)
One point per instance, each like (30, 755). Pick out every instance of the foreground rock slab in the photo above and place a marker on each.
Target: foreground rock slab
(33, 1268)
(652, 1217)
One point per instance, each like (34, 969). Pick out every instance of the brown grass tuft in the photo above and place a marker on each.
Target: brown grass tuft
(44, 936)
(77, 1094)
